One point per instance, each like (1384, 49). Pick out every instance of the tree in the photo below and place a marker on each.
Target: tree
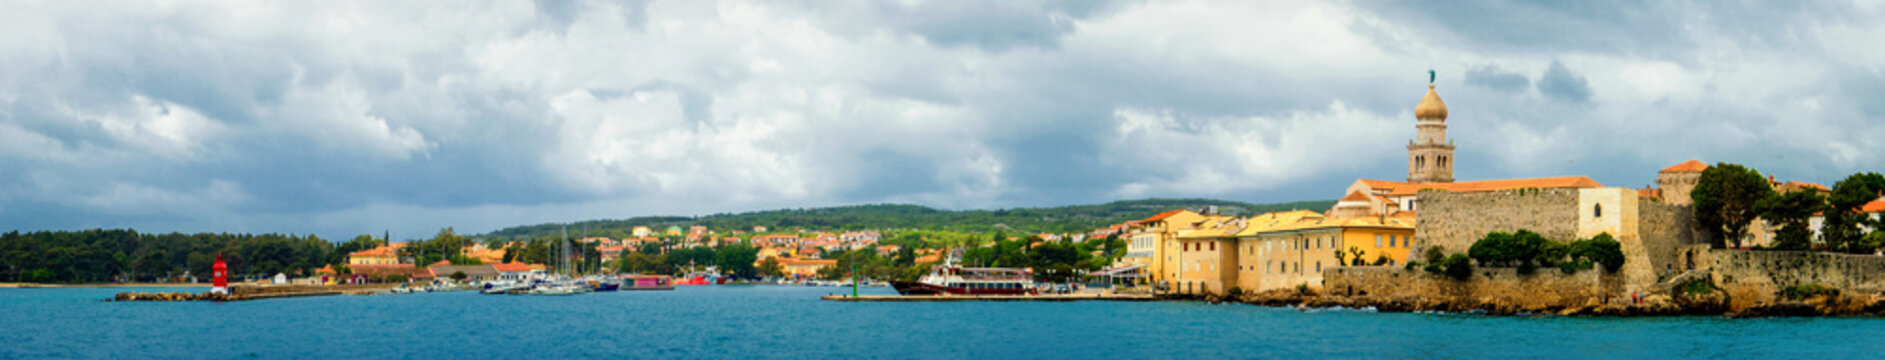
(1791, 211)
(1724, 200)
(771, 267)
(737, 259)
(1843, 218)
(1356, 253)
(459, 276)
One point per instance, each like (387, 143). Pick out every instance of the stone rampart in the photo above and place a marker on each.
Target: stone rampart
(1754, 277)
(1545, 289)
(1664, 246)
(1454, 221)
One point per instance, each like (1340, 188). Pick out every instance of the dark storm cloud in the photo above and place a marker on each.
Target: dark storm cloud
(504, 113)
(1560, 83)
(1495, 78)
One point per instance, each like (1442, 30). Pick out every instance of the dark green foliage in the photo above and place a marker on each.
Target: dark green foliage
(1527, 251)
(1458, 266)
(1514, 249)
(737, 259)
(459, 276)
(1434, 254)
(1843, 219)
(1724, 200)
(1065, 219)
(1600, 249)
(1696, 287)
(1791, 211)
(92, 256)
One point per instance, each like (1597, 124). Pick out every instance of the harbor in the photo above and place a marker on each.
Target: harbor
(947, 298)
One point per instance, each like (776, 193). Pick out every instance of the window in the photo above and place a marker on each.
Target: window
(1390, 240)
(1213, 246)
(1598, 211)
(1318, 266)
(1377, 240)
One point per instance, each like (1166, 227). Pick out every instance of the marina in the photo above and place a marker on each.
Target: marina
(945, 298)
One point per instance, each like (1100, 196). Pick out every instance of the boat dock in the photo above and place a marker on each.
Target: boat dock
(1054, 297)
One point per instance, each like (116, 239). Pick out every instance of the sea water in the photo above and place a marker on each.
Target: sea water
(768, 321)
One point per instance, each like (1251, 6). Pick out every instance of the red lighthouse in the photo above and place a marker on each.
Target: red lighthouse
(219, 274)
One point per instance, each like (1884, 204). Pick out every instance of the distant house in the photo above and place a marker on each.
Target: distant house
(473, 273)
(642, 231)
(803, 267)
(514, 271)
(385, 254)
(374, 272)
(759, 229)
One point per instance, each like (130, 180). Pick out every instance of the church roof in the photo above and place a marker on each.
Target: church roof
(1687, 166)
(1430, 106)
(1355, 196)
(1396, 188)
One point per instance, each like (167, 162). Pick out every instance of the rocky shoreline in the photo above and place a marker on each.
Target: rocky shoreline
(241, 293)
(1653, 305)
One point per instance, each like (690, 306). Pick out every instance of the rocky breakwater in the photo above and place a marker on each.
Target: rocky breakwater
(173, 296)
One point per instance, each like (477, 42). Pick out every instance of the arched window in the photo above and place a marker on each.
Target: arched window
(1443, 161)
(1598, 211)
(1420, 162)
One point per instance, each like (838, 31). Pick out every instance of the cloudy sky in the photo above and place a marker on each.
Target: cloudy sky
(342, 118)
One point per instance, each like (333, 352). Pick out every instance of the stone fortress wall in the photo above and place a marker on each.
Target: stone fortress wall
(1495, 287)
(1658, 240)
(1453, 221)
(1751, 277)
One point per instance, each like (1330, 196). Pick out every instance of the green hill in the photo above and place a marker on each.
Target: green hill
(1064, 219)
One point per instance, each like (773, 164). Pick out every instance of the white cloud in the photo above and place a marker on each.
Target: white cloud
(1175, 154)
(495, 114)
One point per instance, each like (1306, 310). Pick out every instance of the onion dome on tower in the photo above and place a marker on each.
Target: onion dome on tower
(1430, 107)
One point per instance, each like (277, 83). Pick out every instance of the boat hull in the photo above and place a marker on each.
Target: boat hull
(919, 288)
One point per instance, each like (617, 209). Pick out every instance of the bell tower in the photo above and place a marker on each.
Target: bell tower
(1430, 154)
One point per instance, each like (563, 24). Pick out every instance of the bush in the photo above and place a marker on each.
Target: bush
(1571, 267)
(1798, 292)
(1411, 265)
(1435, 255)
(1502, 249)
(1601, 249)
(1696, 287)
(459, 276)
(1458, 266)
(1380, 260)
(1236, 291)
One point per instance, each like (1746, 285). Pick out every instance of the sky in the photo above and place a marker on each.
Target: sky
(345, 118)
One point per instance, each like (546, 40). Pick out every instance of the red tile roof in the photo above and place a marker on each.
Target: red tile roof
(1649, 193)
(1161, 216)
(1872, 207)
(511, 267)
(1687, 166)
(1355, 196)
(1803, 184)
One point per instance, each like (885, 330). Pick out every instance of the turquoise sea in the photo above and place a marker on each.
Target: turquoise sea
(762, 321)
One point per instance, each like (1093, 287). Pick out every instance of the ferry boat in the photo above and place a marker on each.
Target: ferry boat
(950, 278)
(647, 282)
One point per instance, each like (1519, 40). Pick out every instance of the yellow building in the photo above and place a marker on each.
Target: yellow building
(1206, 257)
(385, 254)
(1154, 241)
(1286, 249)
(803, 267)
